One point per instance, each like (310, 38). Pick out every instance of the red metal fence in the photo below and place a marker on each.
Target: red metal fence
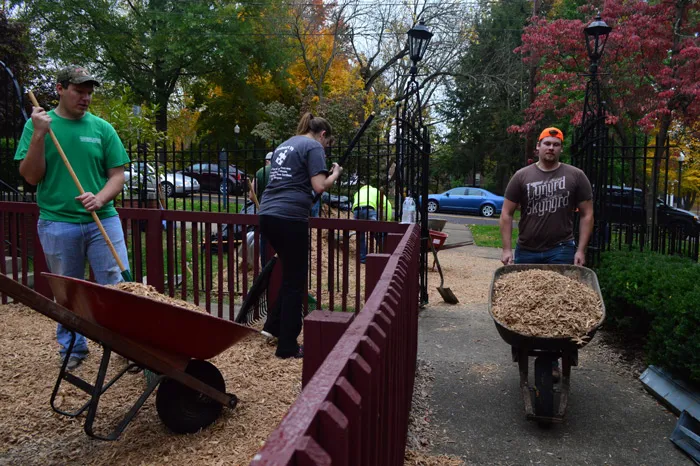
(354, 410)
(179, 253)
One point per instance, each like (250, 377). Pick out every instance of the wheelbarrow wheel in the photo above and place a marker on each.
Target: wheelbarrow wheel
(544, 389)
(184, 410)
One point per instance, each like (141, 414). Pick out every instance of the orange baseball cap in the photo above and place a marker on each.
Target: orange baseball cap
(551, 133)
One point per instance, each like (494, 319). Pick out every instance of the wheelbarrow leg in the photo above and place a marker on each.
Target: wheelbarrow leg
(98, 390)
(522, 357)
(64, 375)
(568, 359)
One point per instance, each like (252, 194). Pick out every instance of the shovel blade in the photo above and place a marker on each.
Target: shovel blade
(448, 296)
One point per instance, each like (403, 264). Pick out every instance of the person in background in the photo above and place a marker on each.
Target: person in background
(367, 204)
(548, 193)
(298, 167)
(67, 231)
(262, 177)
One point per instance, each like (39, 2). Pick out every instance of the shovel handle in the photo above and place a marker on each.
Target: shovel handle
(80, 188)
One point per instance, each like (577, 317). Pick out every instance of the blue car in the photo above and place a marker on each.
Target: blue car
(468, 200)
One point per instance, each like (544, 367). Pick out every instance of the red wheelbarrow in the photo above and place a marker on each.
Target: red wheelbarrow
(170, 341)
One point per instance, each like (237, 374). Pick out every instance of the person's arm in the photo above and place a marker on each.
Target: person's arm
(506, 225)
(323, 182)
(33, 166)
(585, 229)
(253, 189)
(115, 182)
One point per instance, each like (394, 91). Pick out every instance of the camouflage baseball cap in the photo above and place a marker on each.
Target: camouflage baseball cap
(75, 74)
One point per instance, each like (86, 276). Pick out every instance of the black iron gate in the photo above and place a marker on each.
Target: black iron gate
(621, 172)
(413, 169)
(12, 116)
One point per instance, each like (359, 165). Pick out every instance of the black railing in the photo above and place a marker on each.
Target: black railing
(624, 193)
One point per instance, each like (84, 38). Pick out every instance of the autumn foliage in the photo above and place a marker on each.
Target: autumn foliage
(649, 71)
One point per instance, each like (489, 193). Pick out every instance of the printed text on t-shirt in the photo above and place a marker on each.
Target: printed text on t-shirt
(547, 196)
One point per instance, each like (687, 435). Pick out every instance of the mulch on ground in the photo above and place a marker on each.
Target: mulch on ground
(33, 434)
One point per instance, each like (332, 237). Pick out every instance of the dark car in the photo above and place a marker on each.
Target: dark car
(211, 177)
(468, 200)
(624, 205)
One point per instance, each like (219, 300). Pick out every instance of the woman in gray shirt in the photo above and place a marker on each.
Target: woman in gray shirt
(298, 168)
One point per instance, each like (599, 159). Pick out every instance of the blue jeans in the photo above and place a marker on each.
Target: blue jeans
(562, 253)
(67, 245)
(315, 209)
(364, 213)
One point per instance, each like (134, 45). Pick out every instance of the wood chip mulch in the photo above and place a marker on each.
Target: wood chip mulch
(544, 303)
(33, 434)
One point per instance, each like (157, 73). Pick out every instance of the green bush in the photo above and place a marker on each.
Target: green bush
(658, 296)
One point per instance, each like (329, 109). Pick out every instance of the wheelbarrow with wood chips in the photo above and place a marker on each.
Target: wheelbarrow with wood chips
(546, 350)
(170, 341)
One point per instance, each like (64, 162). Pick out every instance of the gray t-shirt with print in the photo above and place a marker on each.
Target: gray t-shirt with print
(547, 204)
(289, 193)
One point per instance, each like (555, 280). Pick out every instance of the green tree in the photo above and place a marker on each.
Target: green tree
(151, 45)
(489, 94)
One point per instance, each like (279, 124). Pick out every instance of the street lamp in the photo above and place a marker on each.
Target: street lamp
(596, 34)
(681, 159)
(418, 39)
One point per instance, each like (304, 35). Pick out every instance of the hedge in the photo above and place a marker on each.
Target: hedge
(658, 296)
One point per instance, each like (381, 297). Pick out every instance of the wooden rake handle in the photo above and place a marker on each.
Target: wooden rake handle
(80, 188)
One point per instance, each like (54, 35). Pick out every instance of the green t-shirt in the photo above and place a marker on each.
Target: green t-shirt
(92, 147)
(262, 177)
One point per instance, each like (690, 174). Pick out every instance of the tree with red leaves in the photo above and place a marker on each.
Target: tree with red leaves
(649, 73)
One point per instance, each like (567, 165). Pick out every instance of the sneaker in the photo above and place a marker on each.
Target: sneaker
(73, 362)
(298, 355)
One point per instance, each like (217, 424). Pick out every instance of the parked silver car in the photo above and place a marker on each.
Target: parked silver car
(172, 183)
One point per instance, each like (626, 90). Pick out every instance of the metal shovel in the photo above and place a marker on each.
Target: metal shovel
(447, 295)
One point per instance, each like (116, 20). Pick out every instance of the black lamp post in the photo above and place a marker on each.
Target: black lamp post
(597, 34)
(590, 150)
(681, 159)
(418, 39)
(413, 145)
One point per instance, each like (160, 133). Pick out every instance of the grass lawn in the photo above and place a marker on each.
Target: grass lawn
(489, 236)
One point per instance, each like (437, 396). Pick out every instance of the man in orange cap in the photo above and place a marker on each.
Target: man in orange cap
(548, 193)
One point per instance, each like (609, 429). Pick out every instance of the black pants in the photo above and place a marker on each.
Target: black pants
(290, 239)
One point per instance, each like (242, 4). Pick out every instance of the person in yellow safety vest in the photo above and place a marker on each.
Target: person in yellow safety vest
(369, 203)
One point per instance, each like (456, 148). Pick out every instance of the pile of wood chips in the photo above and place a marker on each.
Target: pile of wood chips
(149, 291)
(544, 303)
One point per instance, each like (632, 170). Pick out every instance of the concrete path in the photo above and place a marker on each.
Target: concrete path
(477, 409)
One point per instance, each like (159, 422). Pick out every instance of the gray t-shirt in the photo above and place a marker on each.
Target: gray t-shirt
(289, 193)
(547, 204)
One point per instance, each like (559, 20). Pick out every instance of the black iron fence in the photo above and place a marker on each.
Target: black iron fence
(634, 187)
(208, 178)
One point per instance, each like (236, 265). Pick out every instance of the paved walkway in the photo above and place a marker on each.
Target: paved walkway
(477, 409)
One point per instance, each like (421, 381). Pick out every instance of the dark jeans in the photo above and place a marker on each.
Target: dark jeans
(290, 239)
(562, 253)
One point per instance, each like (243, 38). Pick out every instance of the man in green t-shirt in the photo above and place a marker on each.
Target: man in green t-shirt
(67, 232)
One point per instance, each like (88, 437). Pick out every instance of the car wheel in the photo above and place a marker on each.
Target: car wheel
(487, 210)
(229, 188)
(169, 188)
(432, 206)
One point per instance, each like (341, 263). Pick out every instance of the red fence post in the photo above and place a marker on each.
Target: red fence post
(375, 265)
(322, 330)
(154, 250)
